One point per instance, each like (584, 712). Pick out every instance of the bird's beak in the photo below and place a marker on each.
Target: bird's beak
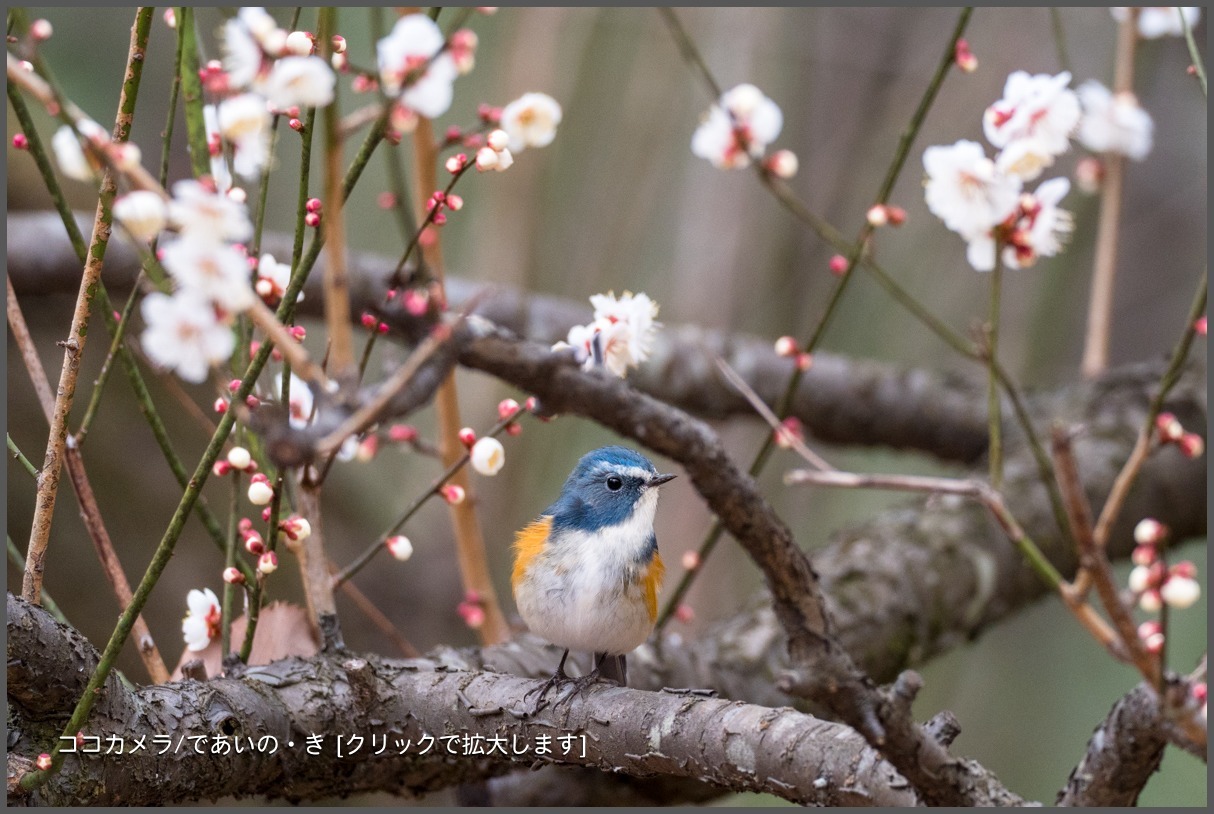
(658, 480)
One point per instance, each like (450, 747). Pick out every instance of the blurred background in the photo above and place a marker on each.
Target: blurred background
(619, 202)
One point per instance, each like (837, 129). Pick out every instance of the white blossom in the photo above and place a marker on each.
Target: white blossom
(531, 121)
(143, 213)
(1040, 229)
(245, 121)
(201, 623)
(70, 156)
(412, 45)
(1114, 123)
(200, 213)
(737, 128)
(1160, 21)
(215, 271)
(1040, 108)
(273, 278)
(184, 334)
(622, 330)
(220, 173)
(488, 456)
(242, 55)
(298, 81)
(966, 190)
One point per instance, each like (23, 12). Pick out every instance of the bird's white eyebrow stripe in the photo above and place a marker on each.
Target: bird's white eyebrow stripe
(628, 471)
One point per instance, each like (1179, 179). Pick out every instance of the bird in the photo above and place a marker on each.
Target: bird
(587, 570)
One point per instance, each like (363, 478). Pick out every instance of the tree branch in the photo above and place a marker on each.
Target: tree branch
(840, 400)
(780, 751)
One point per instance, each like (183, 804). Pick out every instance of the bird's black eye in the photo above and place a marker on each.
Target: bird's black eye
(614, 483)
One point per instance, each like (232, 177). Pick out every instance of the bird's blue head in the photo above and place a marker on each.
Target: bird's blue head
(604, 489)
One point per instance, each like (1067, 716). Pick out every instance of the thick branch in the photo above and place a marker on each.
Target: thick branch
(840, 400)
(344, 697)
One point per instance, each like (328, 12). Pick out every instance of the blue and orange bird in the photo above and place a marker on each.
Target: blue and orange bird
(587, 571)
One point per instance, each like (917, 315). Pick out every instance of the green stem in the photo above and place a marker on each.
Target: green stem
(1199, 67)
(993, 403)
(1059, 33)
(25, 463)
(191, 84)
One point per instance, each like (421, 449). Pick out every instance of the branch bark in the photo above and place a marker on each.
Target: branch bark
(840, 400)
(345, 698)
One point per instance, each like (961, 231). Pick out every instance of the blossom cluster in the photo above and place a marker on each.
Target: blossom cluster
(738, 128)
(982, 199)
(1152, 581)
(619, 337)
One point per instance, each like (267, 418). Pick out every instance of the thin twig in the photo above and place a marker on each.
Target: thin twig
(73, 347)
(1142, 447)
(1199, 66)
(20, 458)
(731, 375)
(993, 403)
(1104, 268)
(14, 556)
(853, 251)
(1094, 563)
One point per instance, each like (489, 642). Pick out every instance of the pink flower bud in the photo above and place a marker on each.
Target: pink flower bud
(367, 448)
(786, 346)
(416, 302)
(896, 215)
(1184, 568)
(1150, 601)
(497, 140)
(691, 560)
(220, 406)
(254, 544)
(312, 219)
(1143, 555)
(878, 216)
(232, 576)
(402, 433)
(260, 491)
(467, 437)
(252, 401)
(507, 408)
(838, 265)
(1150, 531)
(1191, 445)
(1199, 325)
(964, 57)
(453, 493)
(339, 43)
(170, 18)
(1089, 175)
(20, 142)
(456, 163)
(486, 159)
(239, 458)
(1169, 428)
(1199, 691)
(530, 404)
(805, 361)
(399, 547)
(782, 164)
(684, 614)
(368, 320)
(234, 385)
(514, 429)
(267, 563)
(221, 468)
(790, 430)
(43, 762)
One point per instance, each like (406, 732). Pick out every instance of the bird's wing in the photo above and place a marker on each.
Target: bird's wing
(528, 543)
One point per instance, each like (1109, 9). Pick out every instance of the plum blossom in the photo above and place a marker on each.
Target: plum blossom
(966, 190)
(531, 121)
(201, 623)
(142, 213)
(272, 279)
(488, 456)
(200, 213)
(1038, 228)
(1114, 123)
(296, 81)
(184, 334)
(415, 44)
(621, 335)
(244, 120)
(1160, 21)
(1032, 122)
(737, 128)
(215, 271)
(243, 58)
(73, 161)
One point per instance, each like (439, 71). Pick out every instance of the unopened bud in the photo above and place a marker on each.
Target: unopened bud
(232, 576)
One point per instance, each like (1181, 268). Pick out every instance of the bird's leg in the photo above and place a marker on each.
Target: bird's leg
(612, 668)
(543, 689)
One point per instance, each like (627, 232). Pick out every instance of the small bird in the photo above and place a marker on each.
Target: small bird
(587, 571)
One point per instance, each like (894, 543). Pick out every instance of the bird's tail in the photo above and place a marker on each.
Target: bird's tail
(611, 667)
